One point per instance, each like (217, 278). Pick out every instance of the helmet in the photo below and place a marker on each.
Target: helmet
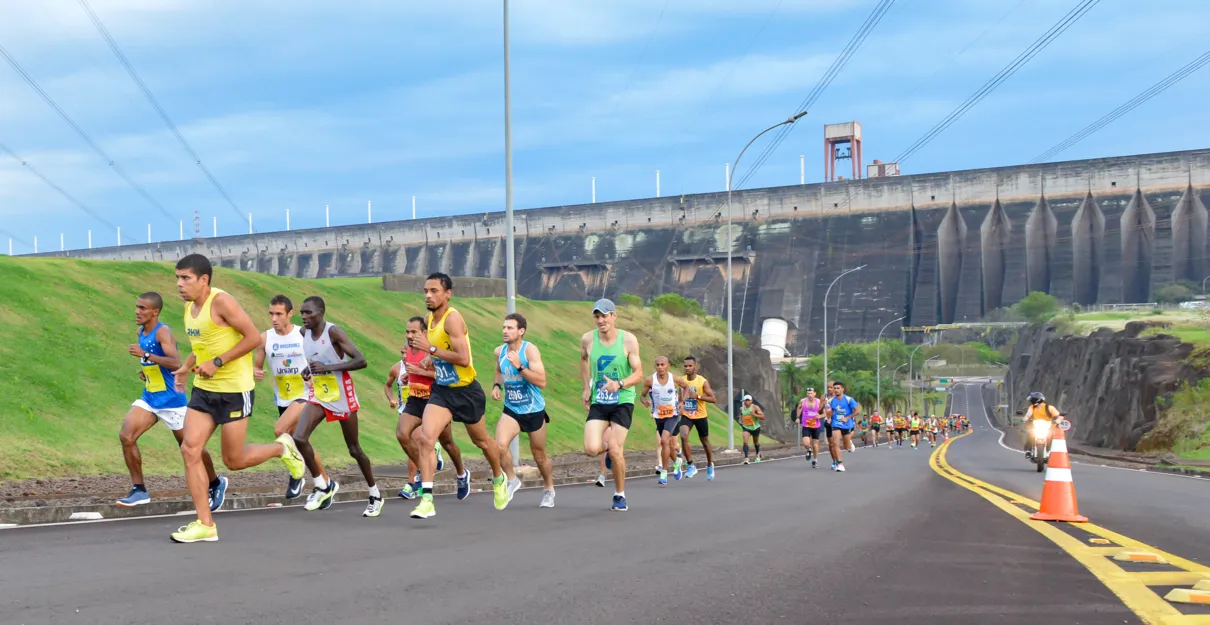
(1036, 398)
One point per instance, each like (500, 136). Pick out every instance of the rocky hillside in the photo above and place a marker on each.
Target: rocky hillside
(1108, 382)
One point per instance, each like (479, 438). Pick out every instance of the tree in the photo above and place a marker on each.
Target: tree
(1173, 294)
(1037, 307)
(849, 357)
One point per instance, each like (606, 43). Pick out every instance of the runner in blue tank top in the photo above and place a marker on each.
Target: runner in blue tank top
(158, 358)
(520, 378)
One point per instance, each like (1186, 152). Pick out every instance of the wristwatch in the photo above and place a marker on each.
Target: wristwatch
(432, 349)
(146, 356)
(218, 362)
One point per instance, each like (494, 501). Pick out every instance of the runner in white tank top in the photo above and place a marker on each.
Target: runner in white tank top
(661, 398)
(282, 347)
(331, 356)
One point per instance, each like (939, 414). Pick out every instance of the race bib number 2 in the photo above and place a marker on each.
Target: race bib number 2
(290, 387)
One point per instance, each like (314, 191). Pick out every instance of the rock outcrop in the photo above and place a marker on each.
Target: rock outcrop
(1107, 382)
(754, 374)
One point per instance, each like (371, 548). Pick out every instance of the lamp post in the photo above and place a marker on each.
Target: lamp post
(825, 323)
(878, 377)
(911, 354)
(510, 270)
(923, 403)
(730, 306)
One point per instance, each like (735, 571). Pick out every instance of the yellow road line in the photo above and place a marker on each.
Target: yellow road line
(1131, 587)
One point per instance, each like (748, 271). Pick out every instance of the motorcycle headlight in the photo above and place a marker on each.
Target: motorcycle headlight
(1041, 428)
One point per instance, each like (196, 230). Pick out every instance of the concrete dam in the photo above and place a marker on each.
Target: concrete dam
(937, 248)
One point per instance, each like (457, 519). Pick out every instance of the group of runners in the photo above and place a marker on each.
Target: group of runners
(433, 385)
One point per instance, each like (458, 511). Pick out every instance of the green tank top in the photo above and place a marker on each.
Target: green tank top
(747, 420)
(610, 361)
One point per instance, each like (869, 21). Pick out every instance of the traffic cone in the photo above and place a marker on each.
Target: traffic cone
(1059, 493)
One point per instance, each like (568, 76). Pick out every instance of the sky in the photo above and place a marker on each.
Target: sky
(306, 104)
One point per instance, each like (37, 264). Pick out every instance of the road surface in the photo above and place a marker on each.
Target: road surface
(889, 540)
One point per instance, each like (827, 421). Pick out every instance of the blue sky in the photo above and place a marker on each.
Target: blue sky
(298, 105)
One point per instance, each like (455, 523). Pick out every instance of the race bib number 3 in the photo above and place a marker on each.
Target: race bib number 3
(155, 379)
(290, 387)
(327, 388)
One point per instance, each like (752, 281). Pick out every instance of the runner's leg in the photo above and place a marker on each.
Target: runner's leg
(236, 453)
(199, 426)
(684, 428)
(594, 438)
(348, 427)
(289, 419)
(403, 433)
(451, 449)
(311, 417)
(617, 443)
(207, 461)
(537, 447)
(507, 429)
(436, 418)
(484, 441)
(756, 443)
(136, 424)
(747, 437)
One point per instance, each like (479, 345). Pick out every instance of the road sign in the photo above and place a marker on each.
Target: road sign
(940, 389)
(1065, 425)
(944, 380)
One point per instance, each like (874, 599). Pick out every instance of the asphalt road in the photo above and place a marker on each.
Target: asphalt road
(887, 541)
(1163, 510)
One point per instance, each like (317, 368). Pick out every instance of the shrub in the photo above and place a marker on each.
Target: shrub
(626, 299)
(1037, 307)
(1173, 294)
(677, 305)
(718, 324)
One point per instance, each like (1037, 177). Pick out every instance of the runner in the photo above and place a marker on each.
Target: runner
(812, 430)
(901, 425)
(610, 368)
(842, 411)
(876, 428)
(934, 426)
(750, 419)
(158, 358)
(408, 387)
(660, 396)
(520, 378)
(331, 396)
(455, 395)
(222, 337)
(694, 396)
(914, 424)
(282, 346)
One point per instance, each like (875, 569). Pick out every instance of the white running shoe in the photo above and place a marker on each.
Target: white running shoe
(513, 487)
(600, 481)
(548, 499)
(374, 508)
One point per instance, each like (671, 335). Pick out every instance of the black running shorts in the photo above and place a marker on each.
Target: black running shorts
(701, 425)
(755, 433)
(466, 403)
(812, 433)
(224, 408)
(529, 422)
(415, 406)
(617, 414)
(876, 427)
(666, 425)
(281, 410)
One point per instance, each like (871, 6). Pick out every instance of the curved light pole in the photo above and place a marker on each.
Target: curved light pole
(730, 306)
(925, 397)
(911, 354)
(825, 323)
(878, 374)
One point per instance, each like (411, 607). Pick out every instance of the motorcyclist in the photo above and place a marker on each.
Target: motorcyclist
(1038, 410)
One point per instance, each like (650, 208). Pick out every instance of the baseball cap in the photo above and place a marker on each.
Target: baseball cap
(747, 398)
(604, 306)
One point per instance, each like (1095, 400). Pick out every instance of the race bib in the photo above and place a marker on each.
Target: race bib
(664, 412)
(691, 405)
(155, 379)
(603, 396)
(290, 387)
(517, 395)
(446, 374)
(748, 420)
(327, 388)
(419, 391)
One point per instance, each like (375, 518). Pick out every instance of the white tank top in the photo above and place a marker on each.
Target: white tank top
(286, 361)
(663, 397)
(333, 391)
(401, 383)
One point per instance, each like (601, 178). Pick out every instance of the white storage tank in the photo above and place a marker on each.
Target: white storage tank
(773, 337)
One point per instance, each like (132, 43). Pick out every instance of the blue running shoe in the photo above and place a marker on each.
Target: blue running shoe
(710, 473)
(692, 471)
(407, 492)
(440, 460)
(676, 473)
(663, 481)
(464, 484)
(619, 503)
(608, 461)
(218, 494)
(137, 497)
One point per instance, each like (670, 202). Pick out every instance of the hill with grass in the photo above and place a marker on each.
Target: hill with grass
(66, 379)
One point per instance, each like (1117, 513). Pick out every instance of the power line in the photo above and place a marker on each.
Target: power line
(96, 148)
(117, 51)
(834, 70)
(1044, 41)
(71, 198)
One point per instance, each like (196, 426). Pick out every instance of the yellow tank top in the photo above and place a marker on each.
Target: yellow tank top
(210, 340)
(699, 384)
(449, 374)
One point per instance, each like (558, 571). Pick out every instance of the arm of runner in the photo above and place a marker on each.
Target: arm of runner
(707, 393)
(757, 412)
(180, 376)
(344, 345)
(498, 382)
(459, 353)
(535, 373)
(585, 371)
(389, 388)
(258, 361)
(229, 312)
(171, 358)
(424, 368)
(645, 395)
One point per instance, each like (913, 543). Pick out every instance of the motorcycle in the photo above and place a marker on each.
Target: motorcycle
(1041, 433)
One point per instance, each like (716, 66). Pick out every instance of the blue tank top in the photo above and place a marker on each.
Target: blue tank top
(520, 395)
(159, 391)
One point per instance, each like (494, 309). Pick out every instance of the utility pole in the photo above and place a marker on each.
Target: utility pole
(510, 269)
(369, 213)
(657, 183)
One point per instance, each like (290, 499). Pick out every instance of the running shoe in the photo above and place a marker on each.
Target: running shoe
(513, 487)
(758, 460)
(833, 465)
(424, 509)
(840, 468)
(692, 471)
(745, 461)
(710, 472)
(676, 472)
(137, 497)
(619, 503)
(659, 468)
(291, 458)
(320, 495)
(500, 492)
(294, 488)
(196, 532)
(218, 494)
(548, 499)
(407, 492)
(374, 508)
(327, 503)
(600, 481)
(464, 484)
(810, 455)
(663, 481)
(440, 460)
(814, 464)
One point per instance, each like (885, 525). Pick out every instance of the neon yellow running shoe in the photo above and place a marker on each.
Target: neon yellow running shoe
(291, 458)
(196, 532)
(500, 491)
(425, 509)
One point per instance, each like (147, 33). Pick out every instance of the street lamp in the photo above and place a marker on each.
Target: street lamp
(1204, 285)
(878, 377)
(911, 354)
(924, 397)
(730, 244)
(825, 323)
(510, 269)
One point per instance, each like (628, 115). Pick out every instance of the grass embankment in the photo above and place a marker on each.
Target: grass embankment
(1188, 325)
(67, 379)
(1184, 424)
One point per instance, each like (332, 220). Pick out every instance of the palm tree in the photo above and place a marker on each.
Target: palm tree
(793, 379)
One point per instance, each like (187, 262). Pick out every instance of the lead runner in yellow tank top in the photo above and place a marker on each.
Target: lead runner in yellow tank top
(222, 337)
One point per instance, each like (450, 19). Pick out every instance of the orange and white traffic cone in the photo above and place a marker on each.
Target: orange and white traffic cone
(1059, 492)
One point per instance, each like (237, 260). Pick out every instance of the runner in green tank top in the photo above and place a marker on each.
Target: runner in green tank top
(610, 368)
(750, 419)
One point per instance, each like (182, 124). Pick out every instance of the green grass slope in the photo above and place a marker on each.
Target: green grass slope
(66, 379)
